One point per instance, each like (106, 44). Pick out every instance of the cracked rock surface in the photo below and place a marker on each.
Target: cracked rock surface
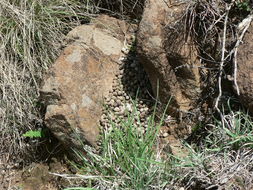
(75, 87)
(92, 85)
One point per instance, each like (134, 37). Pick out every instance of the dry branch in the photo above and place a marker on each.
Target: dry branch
(222, 62)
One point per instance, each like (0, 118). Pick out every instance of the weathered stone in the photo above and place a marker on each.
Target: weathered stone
(81, 77)
(168, 54)
(245, 69)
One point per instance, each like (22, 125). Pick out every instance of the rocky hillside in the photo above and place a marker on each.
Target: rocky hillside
(153, 94)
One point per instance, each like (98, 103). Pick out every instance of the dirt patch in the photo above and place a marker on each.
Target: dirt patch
(38, 176)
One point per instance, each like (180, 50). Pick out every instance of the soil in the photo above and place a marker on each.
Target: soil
(49, 159)
(42, 175)
(38, 176)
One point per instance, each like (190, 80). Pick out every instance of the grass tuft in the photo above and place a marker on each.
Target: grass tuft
(224, 159)
(31, 32)
(128, 159)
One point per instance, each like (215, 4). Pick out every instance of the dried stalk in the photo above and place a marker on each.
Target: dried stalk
(222, 59)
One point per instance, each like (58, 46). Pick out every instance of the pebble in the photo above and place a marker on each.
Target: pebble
(122, 59)
(117, 109)
(131, 80)
(142, 115)
(121, 98)
(118, 102)
(119, 93)
(129, 107)
(125, 50)
(111, 102)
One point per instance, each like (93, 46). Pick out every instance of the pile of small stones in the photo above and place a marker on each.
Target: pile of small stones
(131, 94)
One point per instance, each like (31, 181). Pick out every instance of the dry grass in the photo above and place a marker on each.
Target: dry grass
(31, 33)
(127, 159)
(223, 159)
(218, 28)
(206, 170)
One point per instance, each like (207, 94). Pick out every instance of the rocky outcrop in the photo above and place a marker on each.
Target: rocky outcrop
(245, 69)
(81, 77)
(169, 55)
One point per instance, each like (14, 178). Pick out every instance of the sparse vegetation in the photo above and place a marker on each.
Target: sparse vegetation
(127, 159)
(33, 134)
(31, 32)
(222, 159)
(244, 5)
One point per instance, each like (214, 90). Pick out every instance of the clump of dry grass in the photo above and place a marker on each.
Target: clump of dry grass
(126, 159)
(224, 159)
(206, 170)
(30, 36)
(31, 33)
(218, 28)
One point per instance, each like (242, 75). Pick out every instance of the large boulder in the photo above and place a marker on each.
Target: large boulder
(81, 77)
(245, 69)
(168, 55)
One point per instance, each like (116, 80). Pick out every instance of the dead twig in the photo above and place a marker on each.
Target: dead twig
(78, 176)
(222, 62)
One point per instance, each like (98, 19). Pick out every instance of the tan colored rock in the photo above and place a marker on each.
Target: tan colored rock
(81, 77)
(245, 69)
(168, 54)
